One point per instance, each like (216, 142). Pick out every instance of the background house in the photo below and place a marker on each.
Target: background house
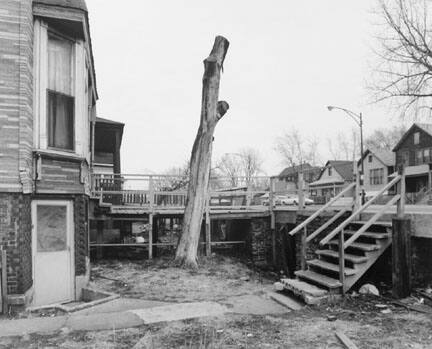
(287, 180)
(107, 139)
(378, 166)
(333, 178)
(47, 113)
(414, 152)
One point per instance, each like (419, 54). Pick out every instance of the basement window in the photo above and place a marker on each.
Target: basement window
(60, 96)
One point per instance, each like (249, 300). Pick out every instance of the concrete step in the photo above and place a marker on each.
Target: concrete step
(286, 300)
(318, 278)
(370, 234)
(329, 266)
(348, 257)
(358, 245)
(311, 294)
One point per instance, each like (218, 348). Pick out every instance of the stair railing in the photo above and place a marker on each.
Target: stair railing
(399, 199)
(303, 226)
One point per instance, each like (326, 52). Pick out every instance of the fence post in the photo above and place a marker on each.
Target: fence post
(150, 226)
(300, 190)
(4, 281)
(402, 191)
(303, 248)
(208, 224)
(272, 219)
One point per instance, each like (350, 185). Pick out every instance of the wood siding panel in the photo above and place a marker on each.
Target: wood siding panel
(60, 176)
(16, 94)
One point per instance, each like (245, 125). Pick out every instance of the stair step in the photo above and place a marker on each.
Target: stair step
(348, 257)
(370, 234)
(318, 278)
(330, 266)
(382, 224)
(358, 245)
(311, 294)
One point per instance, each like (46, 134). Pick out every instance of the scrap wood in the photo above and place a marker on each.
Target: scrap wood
(425, 294)
(420, 308)
(345, 340)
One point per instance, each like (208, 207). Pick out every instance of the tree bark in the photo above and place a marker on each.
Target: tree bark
(212, 111)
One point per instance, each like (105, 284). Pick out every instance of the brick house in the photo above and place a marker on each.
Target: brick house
(47, 114)
(414, 151)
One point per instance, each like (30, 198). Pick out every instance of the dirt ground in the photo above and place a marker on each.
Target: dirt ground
(217, 278)
(369, 321)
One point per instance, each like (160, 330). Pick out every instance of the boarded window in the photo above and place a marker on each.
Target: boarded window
(416, 137)
(60, 96)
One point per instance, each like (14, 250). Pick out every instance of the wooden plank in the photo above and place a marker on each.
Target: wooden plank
(348, 343)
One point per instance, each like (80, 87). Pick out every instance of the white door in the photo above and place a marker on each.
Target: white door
(53, 265)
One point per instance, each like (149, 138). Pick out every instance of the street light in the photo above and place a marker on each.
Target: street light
(358, 119)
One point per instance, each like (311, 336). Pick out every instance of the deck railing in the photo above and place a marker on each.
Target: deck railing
(170, 191)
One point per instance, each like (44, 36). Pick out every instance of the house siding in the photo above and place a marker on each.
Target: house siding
(16, 95)
(408, 145)
(368, 166)
(62, 176)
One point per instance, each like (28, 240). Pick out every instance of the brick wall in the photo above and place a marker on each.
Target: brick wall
(15, 238)
(259, 242)
(16, 91)
(81, 205)
(421, 261)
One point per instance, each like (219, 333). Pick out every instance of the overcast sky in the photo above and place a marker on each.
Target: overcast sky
(287, 60)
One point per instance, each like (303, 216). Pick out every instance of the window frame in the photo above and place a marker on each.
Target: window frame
(56, 34)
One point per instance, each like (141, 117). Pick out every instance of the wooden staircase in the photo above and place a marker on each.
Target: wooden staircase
(347, 251)
(320, 281)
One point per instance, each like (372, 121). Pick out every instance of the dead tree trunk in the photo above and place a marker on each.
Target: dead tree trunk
(211, 112)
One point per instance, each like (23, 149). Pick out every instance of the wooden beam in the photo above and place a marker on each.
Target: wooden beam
(401, 257)
(345, 340)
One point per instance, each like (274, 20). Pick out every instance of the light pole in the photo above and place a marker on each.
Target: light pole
(358, 119)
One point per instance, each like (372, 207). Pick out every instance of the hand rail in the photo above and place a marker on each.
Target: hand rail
(317, 213)
(326, 224)
(360, 210)
(371, 221)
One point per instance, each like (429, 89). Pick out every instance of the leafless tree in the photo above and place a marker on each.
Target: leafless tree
(230, 167)
(295, 149)
(252, 162)
(343, 147)
(246, 163)
(385, 138)
(405, 56)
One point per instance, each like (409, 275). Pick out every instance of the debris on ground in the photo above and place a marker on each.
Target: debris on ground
(369, 289)
(348, 343)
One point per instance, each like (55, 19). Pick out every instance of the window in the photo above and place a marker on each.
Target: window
(329, 171)
(60, 96)
(423, 156)
(405, 158)
(370, 158)
(417, 138)
(376, 176)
